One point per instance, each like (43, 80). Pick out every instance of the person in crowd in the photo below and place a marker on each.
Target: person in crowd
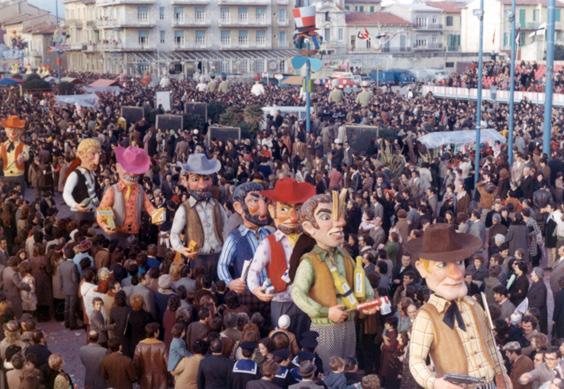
(519, 364)
(552, 367)
(215, 370)
(150, 359)
(116, 368)
(91, 356)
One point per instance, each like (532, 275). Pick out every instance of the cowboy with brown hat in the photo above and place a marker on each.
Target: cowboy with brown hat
(13, 152)
(451, 327)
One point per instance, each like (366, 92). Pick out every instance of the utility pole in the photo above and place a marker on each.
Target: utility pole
(512, 84)
(480, 15)
(548, 80)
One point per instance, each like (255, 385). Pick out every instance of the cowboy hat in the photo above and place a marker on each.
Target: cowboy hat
(13, 121)
(440, 242)
(198, 163)
(290, 191)
(133, 160)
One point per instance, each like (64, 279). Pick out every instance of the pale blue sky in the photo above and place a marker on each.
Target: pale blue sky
(49, 5)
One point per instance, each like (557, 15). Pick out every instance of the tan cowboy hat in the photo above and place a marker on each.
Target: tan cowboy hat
(440, 242)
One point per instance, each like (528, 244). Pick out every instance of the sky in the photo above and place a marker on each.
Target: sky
(49, 5)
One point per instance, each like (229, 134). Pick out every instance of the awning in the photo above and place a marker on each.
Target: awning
(213, 55)
(103, 83)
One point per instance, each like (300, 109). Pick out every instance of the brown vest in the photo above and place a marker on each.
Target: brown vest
(447, 349)
(323, 289)
(194, 230)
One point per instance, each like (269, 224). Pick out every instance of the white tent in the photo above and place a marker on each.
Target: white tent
(86, 101)
(434, 140)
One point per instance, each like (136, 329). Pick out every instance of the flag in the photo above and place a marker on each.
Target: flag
(363, 35)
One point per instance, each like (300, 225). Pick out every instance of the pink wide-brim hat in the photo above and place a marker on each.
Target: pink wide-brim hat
(133, 160)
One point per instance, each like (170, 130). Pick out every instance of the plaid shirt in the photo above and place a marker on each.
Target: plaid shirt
(422, 341)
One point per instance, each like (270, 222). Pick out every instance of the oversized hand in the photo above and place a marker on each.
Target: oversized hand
(337, 314)
(237, 286)
(261, 295)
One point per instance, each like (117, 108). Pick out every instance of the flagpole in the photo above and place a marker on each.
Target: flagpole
(512, 84)
(480, 15)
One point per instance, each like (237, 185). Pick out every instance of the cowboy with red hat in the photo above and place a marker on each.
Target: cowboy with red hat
(451, 328)
(273, 253)
(120, 209)
(13, 152)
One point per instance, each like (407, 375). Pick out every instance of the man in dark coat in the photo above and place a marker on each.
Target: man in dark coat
(215, 370)
(245, 369)
(12, 282)
(537, 297)
(69, 279)
(91, 356)
(117, 369)
(558, 315)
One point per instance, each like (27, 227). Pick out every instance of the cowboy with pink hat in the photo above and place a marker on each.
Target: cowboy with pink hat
(121, 206)
(13, 152)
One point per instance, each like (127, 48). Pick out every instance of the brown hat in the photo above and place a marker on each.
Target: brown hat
(440, 242)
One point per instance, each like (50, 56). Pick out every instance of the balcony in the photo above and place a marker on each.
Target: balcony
(429, 46)
(428, 27)
(191, 46)
(189, 2)
(282, 23)
(235, 45)
(120, 23)
(91, 48)
(282, 2)
(530, 26)
(129, 47)
(76, 47)
(106, 3)
(191, 22)
(243, 2)
(74, 22)
(263, 22)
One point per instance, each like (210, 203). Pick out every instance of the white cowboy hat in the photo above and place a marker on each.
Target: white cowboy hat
(198, 163)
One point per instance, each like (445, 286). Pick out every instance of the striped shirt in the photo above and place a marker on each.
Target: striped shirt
(230, 247)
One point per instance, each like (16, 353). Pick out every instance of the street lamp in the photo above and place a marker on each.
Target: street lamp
(479, 13)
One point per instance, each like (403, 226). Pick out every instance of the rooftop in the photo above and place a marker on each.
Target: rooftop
(448, 6)
(544, 3)
(41, 29)
(375, 19)
(363, 1)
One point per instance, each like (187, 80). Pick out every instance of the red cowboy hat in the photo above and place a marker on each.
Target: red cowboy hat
(290, 191)
(133, 160)
(440, 242)
(13, 122)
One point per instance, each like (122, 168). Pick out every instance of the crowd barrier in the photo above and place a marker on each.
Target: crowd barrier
(501, 96)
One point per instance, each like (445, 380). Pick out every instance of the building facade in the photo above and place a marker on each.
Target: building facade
(450, 21)
(426, 25)
(139, 36)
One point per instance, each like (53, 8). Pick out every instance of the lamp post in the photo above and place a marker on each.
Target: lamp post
(58, 48)
(548, 79)
(480, 14)
(511, 84)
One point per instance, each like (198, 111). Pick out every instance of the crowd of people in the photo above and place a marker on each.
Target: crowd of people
(529, 77)
(159, 316)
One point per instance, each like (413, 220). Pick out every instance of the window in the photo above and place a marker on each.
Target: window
(359, 8)
(200, 13)
(225, 37)
(434, 20)
(449, 21)
(161, 13)
(243, 38)
(282, 66)
(142, 13)
(505, 39)
(162, 36)
(327, 35)
(522, 17)
(179, 38)
(371, 8)
(556, 15)
(200, 38)
(420, 21)
(535, 15)
(261, 38)
(243, 15)
(419, 42)
(178, 13)
(341, 34)
(327, 16)
(282, 16)
(353, 42)
(282, 39)
(449, 64)
(368, 45)
(143, 38)
(259, 13)
(224, 14)
(453, 42)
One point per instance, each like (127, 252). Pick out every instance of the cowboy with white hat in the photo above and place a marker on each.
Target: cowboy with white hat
(201, 218)
(365, 96)
(13, 152)
(119, 213)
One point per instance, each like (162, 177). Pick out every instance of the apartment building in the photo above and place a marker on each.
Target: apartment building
(138, 36)
(388, 33)
(426, 24)
(363, 5)
(450, 21)
(531, 17)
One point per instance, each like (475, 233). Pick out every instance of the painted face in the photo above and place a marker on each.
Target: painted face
(285, 217)
(199, 186)
(253, 211)
(125, 176)
(92, 159)
(446, 279)
(13, 134)
(329, 232)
